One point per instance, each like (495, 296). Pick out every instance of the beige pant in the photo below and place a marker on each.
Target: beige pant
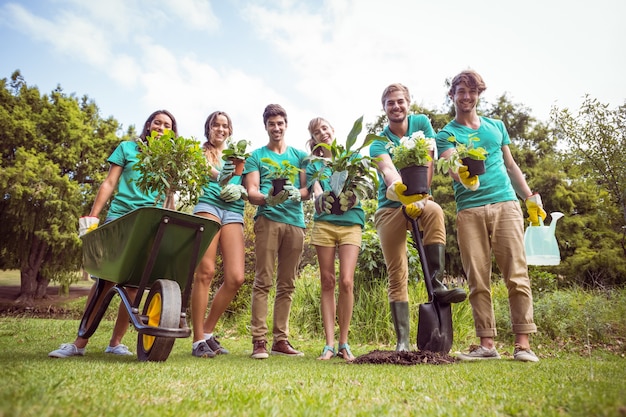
(392, 226)
(281, 244)
(498, 229)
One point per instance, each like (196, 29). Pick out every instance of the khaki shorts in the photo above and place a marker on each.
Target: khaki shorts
(330, 235)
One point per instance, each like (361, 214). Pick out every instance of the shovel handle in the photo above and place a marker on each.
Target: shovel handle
(417, 243)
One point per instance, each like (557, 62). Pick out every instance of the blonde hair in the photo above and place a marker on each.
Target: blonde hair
(392, 88)
(313, 125)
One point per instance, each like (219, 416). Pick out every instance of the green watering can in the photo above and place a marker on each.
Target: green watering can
(540, 242)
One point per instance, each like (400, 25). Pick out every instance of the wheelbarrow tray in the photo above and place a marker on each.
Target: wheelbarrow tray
(119, 250)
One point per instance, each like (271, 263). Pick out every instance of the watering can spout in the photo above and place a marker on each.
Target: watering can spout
(555, 215)
(540, 243)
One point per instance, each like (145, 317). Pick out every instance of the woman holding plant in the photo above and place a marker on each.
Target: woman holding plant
(224, 205)
(333, 233)
(122, 177)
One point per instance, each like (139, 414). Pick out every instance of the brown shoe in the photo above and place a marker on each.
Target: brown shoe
(283, 347)
(259, 351)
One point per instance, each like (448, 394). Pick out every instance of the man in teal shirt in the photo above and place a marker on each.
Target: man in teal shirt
(391, 224)
(489, 219)
(279, 229)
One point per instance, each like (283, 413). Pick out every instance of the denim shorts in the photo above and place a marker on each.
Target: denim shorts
(224, 216)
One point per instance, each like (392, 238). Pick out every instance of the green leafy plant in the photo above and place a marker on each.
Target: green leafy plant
(462, 151)
(283, 170)
(236, 149)
(351, 171)
(172, 165)
(413, 150)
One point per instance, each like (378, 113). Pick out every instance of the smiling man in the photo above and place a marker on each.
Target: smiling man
(391, 223)
(279, 229)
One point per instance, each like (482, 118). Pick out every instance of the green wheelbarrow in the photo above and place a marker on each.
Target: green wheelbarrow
(151, 249)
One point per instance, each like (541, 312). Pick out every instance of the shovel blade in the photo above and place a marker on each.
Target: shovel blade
(434, 327)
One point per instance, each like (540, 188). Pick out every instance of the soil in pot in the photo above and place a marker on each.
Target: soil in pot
(474, 166)
(415, 177)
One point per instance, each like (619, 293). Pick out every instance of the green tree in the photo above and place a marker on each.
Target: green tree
(54, 149)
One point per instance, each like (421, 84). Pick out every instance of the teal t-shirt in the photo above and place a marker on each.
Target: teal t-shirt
(417, 122)
(128, 197)
(288, 212)
(495, 184)
(211, 194)
(351, 217)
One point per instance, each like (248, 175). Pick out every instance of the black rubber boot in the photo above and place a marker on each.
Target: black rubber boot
(400, 317)
(436, 258)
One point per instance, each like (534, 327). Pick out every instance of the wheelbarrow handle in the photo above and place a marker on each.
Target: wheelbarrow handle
(417, 243)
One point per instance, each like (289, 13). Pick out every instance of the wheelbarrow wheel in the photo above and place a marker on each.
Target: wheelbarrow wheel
(162, 308)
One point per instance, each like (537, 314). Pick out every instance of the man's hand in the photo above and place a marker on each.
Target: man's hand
(534, 206)
(228, 169)
(86, 224)
(233, 192)
(471, 183)
(347, 200)
(324, 203)
(293, 193)
(414, 210)
(274, 200)
(395, 192)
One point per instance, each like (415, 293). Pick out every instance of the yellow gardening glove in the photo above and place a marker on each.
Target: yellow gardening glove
(86, 224)
(414, 210)
(347, 200)
(471, 183)
(534, 206)
(395, 192)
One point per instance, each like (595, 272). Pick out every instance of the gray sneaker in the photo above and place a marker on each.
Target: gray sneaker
(524, 354)
(119, 350)
(203, 351)
(477, 353)
(66, 350)
(216, 347)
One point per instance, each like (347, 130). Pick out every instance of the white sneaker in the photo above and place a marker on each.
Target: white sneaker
(66, 350)
(119, 350)
(477, 353)
(524, 355)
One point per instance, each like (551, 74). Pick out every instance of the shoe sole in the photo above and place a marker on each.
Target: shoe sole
(260, 356)
(475, 358)
(287, 354)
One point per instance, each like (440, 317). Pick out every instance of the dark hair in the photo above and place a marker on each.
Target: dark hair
(210, 150)
(146, 126)
(470, 78)
(272, 110)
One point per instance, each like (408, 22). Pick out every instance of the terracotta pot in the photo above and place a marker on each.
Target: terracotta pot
(474, 166)
(239, 164)
(278, 184)
(415, 177)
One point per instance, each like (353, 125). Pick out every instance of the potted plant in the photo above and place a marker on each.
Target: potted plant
(172, 165)
(467, 154)
(411, 157)
(280, 173)
(236, 152)
(350, 170)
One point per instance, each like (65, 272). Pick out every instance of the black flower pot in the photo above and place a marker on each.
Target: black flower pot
(415, 177)
(278, 184)
(474, 166)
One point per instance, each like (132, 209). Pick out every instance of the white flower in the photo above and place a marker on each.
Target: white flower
(407, 142)
(418, 135)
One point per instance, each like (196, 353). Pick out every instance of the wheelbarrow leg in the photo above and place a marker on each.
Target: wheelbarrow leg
(97, 304)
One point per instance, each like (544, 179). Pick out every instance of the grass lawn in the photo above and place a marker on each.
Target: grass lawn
(99, 384)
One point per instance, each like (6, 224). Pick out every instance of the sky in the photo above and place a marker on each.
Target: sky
(328, 58)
